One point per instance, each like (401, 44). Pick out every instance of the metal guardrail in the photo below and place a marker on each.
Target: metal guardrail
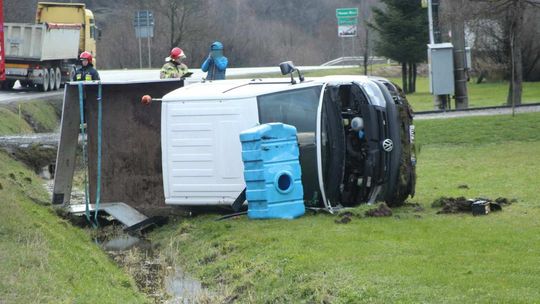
(357, 59)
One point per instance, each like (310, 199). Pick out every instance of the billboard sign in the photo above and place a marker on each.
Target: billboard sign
(347, 30)
(347, 20)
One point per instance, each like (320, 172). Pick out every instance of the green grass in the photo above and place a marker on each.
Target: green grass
(480, 95)
(479, 130)
(409, 258)
(12, 123)
(29, 117)
(42, 115)
(43, 259)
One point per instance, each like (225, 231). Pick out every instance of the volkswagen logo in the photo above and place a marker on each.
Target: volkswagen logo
(388, 145)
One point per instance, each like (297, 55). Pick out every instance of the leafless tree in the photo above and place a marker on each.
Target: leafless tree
(511, 15)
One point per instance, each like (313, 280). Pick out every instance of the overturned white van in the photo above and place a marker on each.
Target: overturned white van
(355, 136)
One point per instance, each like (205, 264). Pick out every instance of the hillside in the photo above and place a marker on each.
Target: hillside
(306, 31)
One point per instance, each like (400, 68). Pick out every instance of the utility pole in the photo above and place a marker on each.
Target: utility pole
(430, 20)
(439, 101)
(140, 53)
(458, 40)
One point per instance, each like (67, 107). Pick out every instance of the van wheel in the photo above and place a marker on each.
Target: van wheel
(44, 87)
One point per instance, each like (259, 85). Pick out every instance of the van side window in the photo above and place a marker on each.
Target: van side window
(295, 107)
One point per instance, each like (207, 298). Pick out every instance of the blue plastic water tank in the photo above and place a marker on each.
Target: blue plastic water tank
(272, 172)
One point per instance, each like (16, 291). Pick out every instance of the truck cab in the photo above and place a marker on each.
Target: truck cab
(355, 136)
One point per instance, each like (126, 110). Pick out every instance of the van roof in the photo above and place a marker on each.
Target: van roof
(245, 88)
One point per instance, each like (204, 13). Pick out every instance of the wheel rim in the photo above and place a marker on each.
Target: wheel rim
(52, 79)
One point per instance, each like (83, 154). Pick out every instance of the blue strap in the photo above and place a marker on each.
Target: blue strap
(85, 156)
(98, 190)
(94, 222)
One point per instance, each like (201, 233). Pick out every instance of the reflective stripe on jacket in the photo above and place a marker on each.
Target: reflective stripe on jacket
(86, 73)
(172, 70)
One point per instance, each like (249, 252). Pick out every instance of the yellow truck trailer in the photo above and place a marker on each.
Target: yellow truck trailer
(71, 13)
(44, 54)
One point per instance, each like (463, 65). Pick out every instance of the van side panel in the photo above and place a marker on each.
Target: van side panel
(202, 154)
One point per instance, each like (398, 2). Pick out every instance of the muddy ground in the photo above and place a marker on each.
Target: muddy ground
(452, 205)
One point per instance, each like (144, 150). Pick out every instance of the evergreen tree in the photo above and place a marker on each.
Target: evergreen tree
(403, 36)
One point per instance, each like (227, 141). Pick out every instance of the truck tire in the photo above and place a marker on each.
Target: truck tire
(52, 79)
(44, 87)
(58, 78)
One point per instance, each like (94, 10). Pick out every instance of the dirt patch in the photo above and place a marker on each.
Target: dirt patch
(347, 215)
(381, 211)
(452, 205)
(137, 257)
(145, 268)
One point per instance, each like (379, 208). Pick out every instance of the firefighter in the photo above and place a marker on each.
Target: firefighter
(173, 67)
(87, 70)
(215, 64)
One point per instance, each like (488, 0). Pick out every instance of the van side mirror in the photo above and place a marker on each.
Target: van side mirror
(287, 67)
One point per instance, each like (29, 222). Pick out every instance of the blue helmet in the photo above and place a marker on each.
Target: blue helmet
(216, 46)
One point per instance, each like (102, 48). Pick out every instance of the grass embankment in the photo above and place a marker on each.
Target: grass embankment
(43, 258)
(414, 256)
(480, 95)
(29, 117)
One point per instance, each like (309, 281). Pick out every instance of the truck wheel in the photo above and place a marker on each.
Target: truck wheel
(58, 80)
(52, 79)
(44, 87)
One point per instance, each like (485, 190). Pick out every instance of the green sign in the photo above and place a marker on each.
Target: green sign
(347, 12)
(347, 21)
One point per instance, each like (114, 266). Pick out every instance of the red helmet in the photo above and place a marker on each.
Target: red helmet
(86, 55)
(177, 53)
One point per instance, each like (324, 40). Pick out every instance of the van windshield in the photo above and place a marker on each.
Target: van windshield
(298, 108)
